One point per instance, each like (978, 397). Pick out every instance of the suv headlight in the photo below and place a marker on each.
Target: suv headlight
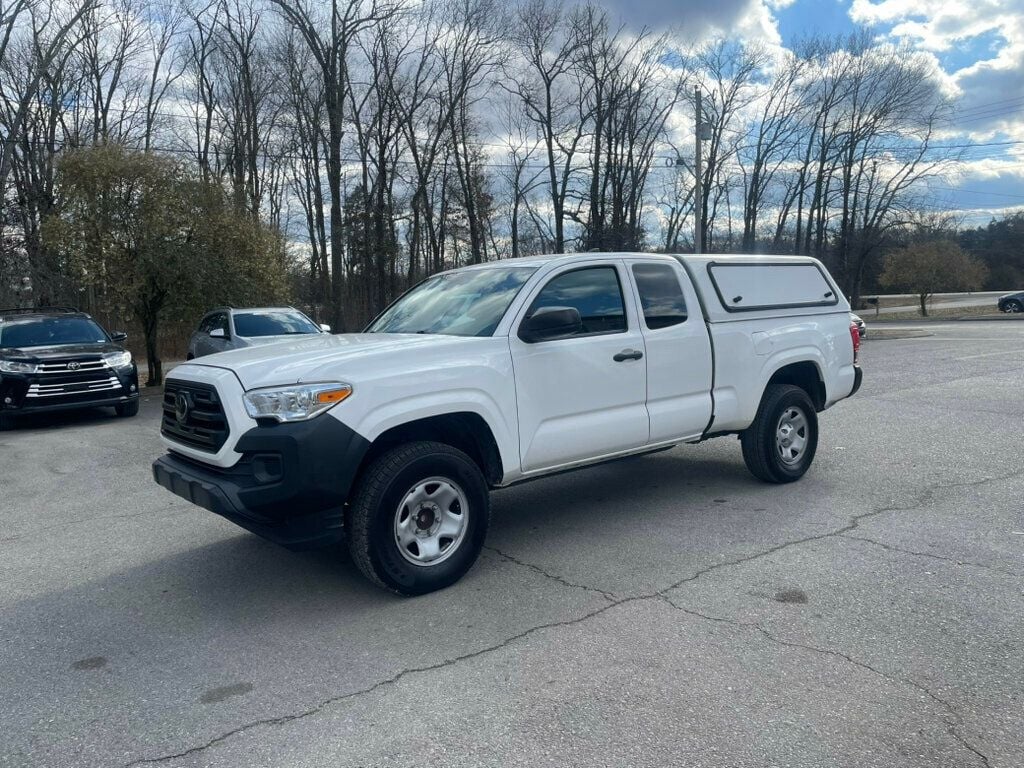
(13, 366)
(118, 359)
(295, 403)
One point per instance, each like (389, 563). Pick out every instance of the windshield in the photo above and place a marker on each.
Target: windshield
(273, 324)
(50, 331)
(469, 303)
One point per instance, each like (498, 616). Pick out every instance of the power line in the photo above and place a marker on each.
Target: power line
(977, 192)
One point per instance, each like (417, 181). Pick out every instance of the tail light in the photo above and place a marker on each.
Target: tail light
(855, 338)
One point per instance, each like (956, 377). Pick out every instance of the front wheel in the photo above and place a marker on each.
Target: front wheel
(418, 519)
(1013, 306)
(780, 445)
(6, 421)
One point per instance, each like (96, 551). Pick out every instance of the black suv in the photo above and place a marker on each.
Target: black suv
(55, 358)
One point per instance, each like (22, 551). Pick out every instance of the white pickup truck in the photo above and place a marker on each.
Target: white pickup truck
(493, 374)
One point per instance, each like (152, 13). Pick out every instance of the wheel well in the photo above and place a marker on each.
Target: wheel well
(804, 375)
(466, 431)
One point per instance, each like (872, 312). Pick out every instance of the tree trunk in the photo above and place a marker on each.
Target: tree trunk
(150, 323)
(336, 134)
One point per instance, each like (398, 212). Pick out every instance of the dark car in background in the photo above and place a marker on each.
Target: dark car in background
(1012, 302)
(227, 328)
(57, 358)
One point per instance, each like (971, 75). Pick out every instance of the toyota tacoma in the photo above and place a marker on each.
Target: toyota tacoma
(498, 373)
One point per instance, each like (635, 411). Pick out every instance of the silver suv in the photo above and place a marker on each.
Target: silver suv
(227, 328)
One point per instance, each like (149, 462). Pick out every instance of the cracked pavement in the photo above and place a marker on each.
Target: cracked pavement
(661, 611)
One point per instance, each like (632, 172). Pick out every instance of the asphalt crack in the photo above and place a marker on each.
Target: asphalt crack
(932, 556)
(661, 594)
(548, 575)
(951, 726)
(394, 679)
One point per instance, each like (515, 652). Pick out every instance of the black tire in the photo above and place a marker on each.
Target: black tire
(127, 410)
(761, 449)
(6, 422)
(373, 513)
(1013, 306)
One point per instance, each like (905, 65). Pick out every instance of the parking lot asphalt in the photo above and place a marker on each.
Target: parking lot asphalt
(659, 611)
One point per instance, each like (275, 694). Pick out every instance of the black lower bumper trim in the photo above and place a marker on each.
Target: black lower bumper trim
(858, 377)
(289, 487)
(107, 402)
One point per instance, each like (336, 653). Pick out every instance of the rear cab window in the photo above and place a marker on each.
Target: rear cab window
(661, 295)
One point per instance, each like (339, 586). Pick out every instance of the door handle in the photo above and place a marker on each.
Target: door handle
(628, 354)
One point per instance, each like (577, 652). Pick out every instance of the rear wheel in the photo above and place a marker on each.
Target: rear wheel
(418, 519)
(780, 445)
(127, 410)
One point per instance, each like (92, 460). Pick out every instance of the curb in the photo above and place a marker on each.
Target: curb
(1005, 317)
(895, 334)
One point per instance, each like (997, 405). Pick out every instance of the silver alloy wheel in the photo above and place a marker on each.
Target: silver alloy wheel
(431, 521)
(791, 435)
(1012, 307)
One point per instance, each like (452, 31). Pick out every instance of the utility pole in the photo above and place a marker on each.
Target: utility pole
(698, 171)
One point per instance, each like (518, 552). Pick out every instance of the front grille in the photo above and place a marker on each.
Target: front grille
(74, 367)
(204, 425)
(65, 388)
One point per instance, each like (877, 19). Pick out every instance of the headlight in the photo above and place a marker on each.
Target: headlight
(12, 366)
(118, 359)
(295, 403)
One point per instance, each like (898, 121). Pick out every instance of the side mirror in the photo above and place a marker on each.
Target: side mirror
(550, 323)
(325, 328)
(119, 337)
(218, 333)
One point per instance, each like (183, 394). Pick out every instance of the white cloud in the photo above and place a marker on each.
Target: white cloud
(697, 19)
(984, 90)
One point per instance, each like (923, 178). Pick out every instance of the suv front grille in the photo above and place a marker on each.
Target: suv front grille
(74, 366)
(204, 425)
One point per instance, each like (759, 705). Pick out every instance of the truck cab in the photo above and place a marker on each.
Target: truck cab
(498, 373)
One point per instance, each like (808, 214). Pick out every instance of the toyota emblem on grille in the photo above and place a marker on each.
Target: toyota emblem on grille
(74, 366)
(182, 406)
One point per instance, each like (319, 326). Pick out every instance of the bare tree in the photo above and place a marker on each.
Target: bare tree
(163, 25)
(774, 141)
(470, 54)
(547, 46)
(51, 30)
(329, 36)
(725, 72)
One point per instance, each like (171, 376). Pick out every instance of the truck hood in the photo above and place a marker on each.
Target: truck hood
(344, 356)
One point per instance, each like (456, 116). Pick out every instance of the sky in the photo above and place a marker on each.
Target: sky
(977, 45)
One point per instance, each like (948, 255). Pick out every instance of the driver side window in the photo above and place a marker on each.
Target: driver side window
(595, 293)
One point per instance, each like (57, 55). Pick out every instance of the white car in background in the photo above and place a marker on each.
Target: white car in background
(228, 328)
(862, 328)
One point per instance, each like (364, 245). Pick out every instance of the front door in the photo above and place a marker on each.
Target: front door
(582, 397)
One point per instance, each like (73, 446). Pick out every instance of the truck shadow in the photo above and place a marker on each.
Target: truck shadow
(241, 588)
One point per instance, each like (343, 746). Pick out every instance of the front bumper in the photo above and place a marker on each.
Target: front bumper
(16, 397)
(290, 485)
